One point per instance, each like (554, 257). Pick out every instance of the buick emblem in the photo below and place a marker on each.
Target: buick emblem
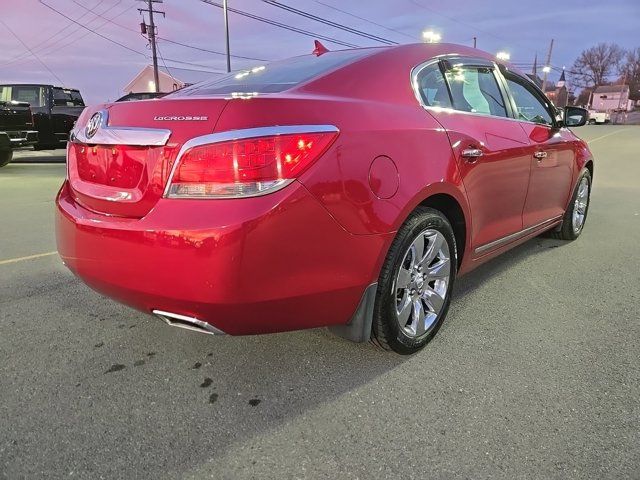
(93, 125)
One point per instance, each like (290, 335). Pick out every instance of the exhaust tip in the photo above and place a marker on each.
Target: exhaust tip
(187, 323)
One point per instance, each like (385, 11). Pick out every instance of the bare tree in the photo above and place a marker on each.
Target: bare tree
(595, 65)
(631, 72)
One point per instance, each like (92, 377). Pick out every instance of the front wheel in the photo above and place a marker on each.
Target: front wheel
(576, 214)
(414, 288)
(5, 157)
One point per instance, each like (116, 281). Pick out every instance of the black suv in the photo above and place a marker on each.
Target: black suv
(16, 129)
(55, 110)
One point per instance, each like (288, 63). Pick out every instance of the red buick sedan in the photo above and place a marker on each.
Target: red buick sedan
(345, 189)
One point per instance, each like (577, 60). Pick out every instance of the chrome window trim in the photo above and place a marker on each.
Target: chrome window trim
(241, 134)
(515, 236)
(415, 72)
(134, 136)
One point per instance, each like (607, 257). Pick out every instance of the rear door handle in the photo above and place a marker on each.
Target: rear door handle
(540, 155)
(472, 154)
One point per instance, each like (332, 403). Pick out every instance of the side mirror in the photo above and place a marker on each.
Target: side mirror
(575, 116)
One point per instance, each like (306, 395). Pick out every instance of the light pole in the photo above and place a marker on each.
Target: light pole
(226, 31)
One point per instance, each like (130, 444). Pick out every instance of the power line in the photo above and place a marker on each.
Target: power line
(365, 19)
(73, 41)
(36, 47)
(31, 52)
(339, 26)
(168, 40)
(165, 65)
(210, 51)
(194, 65)
(94, 32)
(284, 26)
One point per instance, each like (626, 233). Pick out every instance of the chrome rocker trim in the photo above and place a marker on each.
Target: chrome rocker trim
(240, 135)
(517, 235)
(135, 136)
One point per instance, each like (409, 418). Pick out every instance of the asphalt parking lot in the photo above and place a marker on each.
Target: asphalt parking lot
(535, 374)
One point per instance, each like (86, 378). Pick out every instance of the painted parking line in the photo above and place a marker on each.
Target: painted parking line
(607, 135)
(30, 257)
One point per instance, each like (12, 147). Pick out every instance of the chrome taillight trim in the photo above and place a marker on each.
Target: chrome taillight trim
(132, 136)
(241, 135)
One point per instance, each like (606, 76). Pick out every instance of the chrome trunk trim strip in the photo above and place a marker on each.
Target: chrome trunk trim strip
(106, 135)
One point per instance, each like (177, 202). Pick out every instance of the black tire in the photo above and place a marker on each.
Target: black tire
(386, 331)
(567, 230)
(5, 157)
(591, 121)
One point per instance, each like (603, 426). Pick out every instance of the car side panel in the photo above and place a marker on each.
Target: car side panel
(496, 183)
(551, 177)
(341, 180)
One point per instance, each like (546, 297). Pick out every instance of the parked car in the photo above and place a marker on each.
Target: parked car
(129, 97)
(55, 110)
(346, 189)
(598, 117)
(16, 129)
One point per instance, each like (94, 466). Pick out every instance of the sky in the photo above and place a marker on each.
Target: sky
(49, 48)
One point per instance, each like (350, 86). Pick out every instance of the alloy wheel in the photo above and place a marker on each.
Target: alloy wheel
(580, 205)
(422, 282)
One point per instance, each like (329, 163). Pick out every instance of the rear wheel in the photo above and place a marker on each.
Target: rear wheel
(5, 157)
(414, 288)
(576, 214)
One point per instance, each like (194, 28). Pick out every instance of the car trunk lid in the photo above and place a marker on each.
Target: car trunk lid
(120, 155)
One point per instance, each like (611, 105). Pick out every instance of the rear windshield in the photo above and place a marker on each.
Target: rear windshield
(69, 98)
(276, 76)
(34, 95)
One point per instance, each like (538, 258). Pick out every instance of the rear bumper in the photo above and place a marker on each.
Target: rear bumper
(246, 266)
(15, 139)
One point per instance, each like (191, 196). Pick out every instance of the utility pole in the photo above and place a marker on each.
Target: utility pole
(475, 42)
(547, 67)
(151, 30)
(226, 32)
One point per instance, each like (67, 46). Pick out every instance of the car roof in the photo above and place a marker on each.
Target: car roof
(384, 67)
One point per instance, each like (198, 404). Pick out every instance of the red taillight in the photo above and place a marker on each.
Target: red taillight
(246, 167)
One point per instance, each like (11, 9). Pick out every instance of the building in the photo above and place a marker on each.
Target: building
(169, 79)
(558, 93)
(607, 98)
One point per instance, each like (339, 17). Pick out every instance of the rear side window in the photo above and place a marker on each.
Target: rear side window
(433, 88)
(476, 90)
(276, 76)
